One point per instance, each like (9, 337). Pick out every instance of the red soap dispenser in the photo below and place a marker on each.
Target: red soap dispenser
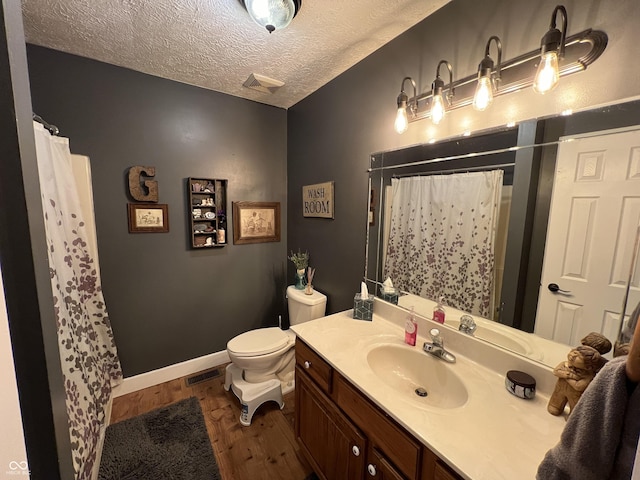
(410, 329)
(438, 311)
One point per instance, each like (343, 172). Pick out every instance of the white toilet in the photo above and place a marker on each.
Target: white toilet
(263, 360)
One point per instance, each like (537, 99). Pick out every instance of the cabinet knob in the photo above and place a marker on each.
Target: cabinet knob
(371, 468)
(307, 365)
(355, 450)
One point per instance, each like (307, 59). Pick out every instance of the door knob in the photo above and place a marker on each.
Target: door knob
(555, 288)
(307, 365)
(355, 450)
(371, 468)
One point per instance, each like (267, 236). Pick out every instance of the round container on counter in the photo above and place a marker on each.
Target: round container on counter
(520, 384)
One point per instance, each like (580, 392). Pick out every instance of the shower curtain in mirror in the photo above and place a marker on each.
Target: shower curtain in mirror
(88, 356)
(443, 227)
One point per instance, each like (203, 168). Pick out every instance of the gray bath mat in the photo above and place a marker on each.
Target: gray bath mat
(167, 443)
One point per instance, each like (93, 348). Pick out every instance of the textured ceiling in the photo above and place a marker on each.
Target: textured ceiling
(215, 45)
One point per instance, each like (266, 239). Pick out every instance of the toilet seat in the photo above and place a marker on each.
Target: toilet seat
(262, 341)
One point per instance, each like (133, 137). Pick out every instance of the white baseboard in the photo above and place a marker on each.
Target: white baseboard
(149, 379)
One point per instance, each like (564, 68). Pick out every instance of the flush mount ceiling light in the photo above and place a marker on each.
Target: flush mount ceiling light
(571, 54)
(272, 14)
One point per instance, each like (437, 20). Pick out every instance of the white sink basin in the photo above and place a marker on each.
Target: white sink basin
(409, 370)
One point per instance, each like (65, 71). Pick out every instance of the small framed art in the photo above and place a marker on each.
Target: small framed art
(148, 217)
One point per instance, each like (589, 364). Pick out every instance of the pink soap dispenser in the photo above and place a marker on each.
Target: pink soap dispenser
(410, 329)
(438, 311)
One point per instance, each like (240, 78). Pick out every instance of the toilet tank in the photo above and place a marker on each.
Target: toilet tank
(303, 307)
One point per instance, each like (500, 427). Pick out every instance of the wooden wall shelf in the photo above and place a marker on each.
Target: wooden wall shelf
(207, 201)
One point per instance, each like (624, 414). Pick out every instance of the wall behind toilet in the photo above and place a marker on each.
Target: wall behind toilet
(168, 303)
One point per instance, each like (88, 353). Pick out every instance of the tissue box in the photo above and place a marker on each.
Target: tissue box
(363, 307)
(389, 295)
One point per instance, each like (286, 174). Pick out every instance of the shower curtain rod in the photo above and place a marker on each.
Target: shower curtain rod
(53, 130)
(456, 170)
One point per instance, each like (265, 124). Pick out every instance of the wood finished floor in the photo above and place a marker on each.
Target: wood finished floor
(266, 450)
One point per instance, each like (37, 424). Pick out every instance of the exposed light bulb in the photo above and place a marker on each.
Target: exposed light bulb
(402, 120)
(547, 76)
(484, 94)
(437, 108)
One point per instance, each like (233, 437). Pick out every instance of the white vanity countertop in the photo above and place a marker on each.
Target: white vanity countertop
(493, 436)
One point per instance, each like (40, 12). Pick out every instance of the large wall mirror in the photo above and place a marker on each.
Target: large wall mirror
(551, 205)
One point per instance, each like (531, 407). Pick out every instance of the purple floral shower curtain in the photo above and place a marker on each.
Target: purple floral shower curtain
(442, 236)
(88, 355)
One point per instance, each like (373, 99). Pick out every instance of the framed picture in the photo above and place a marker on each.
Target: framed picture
(256, 222)
(148, 217)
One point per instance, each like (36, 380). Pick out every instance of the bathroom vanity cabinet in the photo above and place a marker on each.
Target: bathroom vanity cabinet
(344, 435)
(207, 201)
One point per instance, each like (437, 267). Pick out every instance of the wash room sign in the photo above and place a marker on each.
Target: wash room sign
(317, 200)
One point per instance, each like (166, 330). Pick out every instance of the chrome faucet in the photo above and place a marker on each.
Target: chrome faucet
(467, 325)
(436, 347)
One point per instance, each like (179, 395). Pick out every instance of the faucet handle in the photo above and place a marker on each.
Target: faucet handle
(435, 337)
(467, 324)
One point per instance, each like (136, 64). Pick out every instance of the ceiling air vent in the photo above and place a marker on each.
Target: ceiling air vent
(262, 84)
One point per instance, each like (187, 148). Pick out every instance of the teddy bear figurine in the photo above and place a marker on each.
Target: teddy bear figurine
(574, 375)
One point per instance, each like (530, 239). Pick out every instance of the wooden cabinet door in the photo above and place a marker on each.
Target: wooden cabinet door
(379, 468)
(442, 472)
(395, 444)
(434, 469)
(335, 448)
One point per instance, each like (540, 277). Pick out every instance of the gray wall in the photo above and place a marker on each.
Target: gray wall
(168, 303)
(333, 132)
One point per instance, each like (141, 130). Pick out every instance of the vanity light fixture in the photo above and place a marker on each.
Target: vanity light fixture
(438, 107)
(272, 14)
(552, 47)
(488, 82)
(402, 119)
(579, 51)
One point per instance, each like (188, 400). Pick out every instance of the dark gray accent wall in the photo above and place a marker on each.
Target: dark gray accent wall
(331, 135)
(169, 303)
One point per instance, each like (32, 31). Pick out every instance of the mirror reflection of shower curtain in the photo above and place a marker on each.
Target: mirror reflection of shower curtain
(88, 355)
(444, 227)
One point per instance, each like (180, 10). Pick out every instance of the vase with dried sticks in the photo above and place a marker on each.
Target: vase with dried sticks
(308, 289)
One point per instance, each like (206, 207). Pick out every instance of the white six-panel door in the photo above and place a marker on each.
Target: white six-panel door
(593, 222)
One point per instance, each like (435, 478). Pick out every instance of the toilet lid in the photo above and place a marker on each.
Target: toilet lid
(259, 342)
